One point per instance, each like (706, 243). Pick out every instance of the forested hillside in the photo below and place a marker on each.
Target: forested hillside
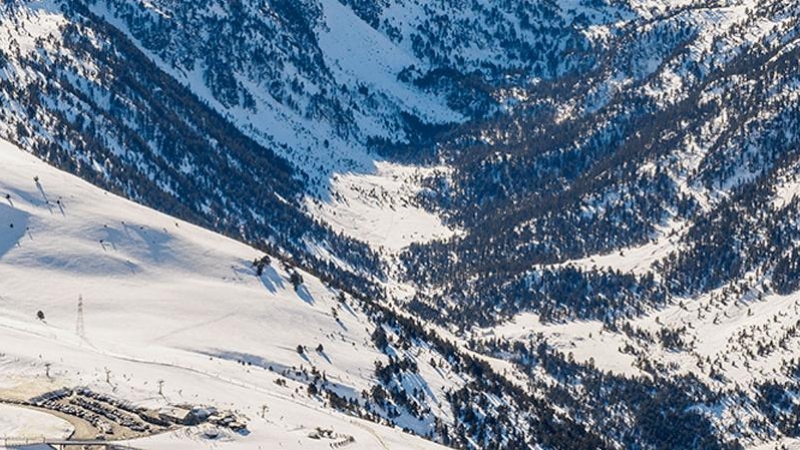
(586, 211)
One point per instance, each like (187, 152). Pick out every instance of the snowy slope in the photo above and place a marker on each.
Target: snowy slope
(164, 300)
(178, 98)
(359, 75)
(23, 423)
(381, 209)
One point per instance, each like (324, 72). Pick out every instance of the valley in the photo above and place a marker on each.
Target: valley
(401, 224)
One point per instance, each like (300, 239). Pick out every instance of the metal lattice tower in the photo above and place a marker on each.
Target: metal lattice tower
(80, 327)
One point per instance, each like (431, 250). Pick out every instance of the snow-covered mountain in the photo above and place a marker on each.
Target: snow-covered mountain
(555, 224)
(164, 300)
(105, 295)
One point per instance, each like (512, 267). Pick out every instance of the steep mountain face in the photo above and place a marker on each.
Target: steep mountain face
(80, 94)
(692, 148)
(228, 114)
(616, 181)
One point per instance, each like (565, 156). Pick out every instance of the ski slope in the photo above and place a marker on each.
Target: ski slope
(27, 424)
(167, 302)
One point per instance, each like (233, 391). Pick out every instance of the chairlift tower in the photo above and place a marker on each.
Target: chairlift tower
(80, 327)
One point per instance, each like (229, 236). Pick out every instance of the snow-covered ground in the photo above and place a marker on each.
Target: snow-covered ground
(637, 260)
(23, 423)
(360, 54)
(165, 300)
(380, 209)
(725, 330)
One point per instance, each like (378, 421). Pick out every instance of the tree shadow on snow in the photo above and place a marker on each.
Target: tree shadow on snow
(325, 357)
(304, 294)
(271, 280)
(13, 224)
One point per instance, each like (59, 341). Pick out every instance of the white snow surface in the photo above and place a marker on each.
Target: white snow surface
(380, 208)
(165, 300)
(28, 424)
(360, 54)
